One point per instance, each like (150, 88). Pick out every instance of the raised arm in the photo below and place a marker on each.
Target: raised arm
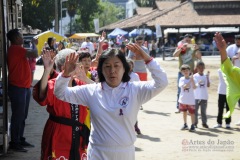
(149, 89)
(178, 50)
(221, 45)
(33, 53)
(75, 95)
(48, 63)
(99, 52)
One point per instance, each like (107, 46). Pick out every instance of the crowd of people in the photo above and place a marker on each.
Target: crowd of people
(93, 96)
(192, 86)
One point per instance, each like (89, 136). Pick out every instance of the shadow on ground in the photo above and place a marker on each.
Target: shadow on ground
(158, 113)
(153, 139)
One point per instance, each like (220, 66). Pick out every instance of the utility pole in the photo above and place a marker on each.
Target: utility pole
(56, 27)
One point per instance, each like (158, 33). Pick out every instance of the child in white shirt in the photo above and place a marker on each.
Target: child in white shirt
(134, 77)
(186, 97)
(201, 93)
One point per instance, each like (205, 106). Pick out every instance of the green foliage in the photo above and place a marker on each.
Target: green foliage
(109, 13)
(145, 3)
(85, 11)
(38, 13)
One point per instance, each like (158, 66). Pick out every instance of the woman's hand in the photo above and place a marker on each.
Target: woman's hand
(48, 60)
(221, 45)
(70, 64)
(220, 42)
(80, 72)
(138, 50)
(102, 38)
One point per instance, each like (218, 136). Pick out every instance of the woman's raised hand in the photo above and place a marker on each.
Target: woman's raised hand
(70, 64)
(80, 72)
(138, 50)
(48, 61)
(220, 42)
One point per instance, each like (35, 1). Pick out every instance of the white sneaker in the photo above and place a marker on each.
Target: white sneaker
(177, 111)
(228, 126)
(217, 126)
(238, 123)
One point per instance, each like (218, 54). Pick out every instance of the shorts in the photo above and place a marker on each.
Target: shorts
(186, 107)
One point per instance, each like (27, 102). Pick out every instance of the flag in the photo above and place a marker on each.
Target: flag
(96, 25)
(232, 78)
(158, 31)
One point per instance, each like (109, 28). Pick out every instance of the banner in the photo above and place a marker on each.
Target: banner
(96, 25)
(158, 31)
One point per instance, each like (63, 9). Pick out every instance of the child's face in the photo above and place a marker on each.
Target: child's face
(185, 72)
(200, 69)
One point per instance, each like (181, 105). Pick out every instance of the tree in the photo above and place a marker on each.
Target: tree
(109, 13)
(145, 3)
(72, 6)
(38, 14)
(85, 12)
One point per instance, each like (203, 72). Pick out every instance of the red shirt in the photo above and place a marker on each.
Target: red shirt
(19, 72)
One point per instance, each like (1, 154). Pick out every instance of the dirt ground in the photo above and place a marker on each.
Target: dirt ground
(161, 135)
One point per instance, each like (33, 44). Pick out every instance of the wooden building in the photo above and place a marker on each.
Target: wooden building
(10, 17)
(198, 14)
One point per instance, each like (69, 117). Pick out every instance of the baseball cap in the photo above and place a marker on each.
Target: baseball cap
(237, 36)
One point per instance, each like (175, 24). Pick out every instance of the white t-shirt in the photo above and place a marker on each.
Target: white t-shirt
(232, 50)
(113, 111)
(88, 45)
(221, 85)
(237, 62)
(186, 95)
(201, 92)
(134, 77)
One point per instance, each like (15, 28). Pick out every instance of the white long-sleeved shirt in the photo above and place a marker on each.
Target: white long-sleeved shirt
(113, 110)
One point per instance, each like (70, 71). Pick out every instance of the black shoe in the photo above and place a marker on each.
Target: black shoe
(26, 144)
(192, 129)
(185, 127)
(195, 125)
(17, 148)
(205, 126)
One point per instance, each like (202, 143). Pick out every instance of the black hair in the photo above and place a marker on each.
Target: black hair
(200, 63)
(188, 36)
(84, 55)
(88, 38)
(63, 47)
(12, 35)
(139, 38)
(49, 41)
(113, 53)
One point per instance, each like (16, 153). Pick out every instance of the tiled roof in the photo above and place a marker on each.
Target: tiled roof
(182, 15)
(162, 5)
(185, 15)
(143, 10)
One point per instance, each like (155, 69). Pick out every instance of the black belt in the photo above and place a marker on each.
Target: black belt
(83, 132)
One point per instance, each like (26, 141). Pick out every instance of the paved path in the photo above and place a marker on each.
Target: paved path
(161, 138)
